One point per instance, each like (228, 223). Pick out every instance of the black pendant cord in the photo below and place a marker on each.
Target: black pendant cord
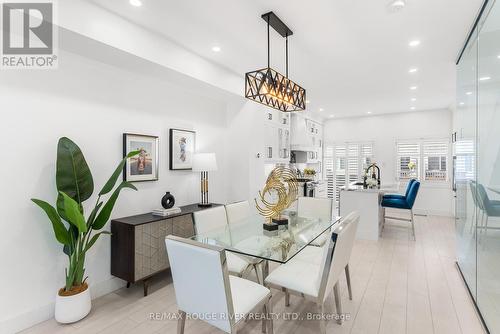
(268, 46)
(286, 41)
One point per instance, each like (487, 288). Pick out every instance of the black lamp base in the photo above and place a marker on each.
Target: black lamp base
(280, 221)
(204, 205)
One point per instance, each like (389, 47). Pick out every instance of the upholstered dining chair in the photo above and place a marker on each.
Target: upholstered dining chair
(204, 289)
(404, 203)
(316, 280)
(311, 207)
(237, 212)
(215, 218)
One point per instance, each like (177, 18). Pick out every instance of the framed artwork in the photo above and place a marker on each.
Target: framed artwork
(144, 166)
(182, 144)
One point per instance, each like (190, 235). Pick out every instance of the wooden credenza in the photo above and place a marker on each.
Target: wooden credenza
(138, 243)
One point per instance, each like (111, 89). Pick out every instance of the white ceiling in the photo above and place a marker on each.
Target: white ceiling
(352, 56)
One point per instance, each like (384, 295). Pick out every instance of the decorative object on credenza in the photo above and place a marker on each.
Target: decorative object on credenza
(182, 145)
(143, 166)
(166, 212)
(168, 200)
(204, 163)
(75, 185)
(269, 87)
(279, 193)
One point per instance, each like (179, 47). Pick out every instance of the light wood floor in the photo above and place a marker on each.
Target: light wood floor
(399, 286)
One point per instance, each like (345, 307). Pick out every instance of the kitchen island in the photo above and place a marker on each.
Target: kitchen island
(367, 203)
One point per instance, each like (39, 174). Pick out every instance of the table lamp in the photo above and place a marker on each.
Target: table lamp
(204, 163)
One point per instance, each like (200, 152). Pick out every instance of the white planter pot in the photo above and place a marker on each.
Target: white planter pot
(72, 308)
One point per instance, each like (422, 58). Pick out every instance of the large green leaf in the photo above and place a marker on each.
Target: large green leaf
(72, 210)
(59, 229)
(73, 176)
(105, 213)
(93, 240)
(116, 174)
(93, 214)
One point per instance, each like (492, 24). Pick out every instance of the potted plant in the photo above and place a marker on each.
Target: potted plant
(75, 185)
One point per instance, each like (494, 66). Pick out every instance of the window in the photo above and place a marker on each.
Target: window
(408, 160)
(346, 163)
(464, 168)
(435, 160)
(425, 159)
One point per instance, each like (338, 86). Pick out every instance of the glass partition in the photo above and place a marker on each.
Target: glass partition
(488, 172)
(477, 165)
(464, 162)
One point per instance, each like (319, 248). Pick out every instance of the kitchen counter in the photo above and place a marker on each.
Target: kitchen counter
(367, 203)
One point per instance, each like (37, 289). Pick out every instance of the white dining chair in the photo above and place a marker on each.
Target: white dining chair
(237, 212)
(316, 280)
(213, 219)
(204, 290)
(311, 207)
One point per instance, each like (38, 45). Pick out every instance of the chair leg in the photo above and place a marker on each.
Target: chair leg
(348, 279)
(322, 321)
(486, 225)
(181, 322)
(338, 302)
(257, 273)
(269, 317)
(413, 225)
(287, 297)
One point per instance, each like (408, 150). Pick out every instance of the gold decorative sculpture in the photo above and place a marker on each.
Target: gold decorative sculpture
(282, 181)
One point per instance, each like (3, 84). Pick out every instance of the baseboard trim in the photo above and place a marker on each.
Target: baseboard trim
(28, 319)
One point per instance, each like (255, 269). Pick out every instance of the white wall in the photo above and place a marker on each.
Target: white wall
(93, 104)
(384, 130)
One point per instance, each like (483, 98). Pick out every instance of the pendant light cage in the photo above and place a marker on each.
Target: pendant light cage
(269, 87)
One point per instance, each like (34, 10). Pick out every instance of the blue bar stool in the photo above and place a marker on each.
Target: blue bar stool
(403, 202)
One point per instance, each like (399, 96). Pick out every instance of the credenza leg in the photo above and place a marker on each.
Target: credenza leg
(128, 285)
(146, 286)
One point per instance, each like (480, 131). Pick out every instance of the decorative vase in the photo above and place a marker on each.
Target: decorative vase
(72, 308)
(168, 200)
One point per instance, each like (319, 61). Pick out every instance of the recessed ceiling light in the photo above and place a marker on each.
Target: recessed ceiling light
(468, 93)
(368, 112)
(307, 101)
(412, 108)
(332, 116)
(461, 103)
(413, 99)
(413, 70)
(498, 56)
(484, 78)
(216, 48)
(413, 87)
(414, 43)
(397, 5)
(321, 109)
(136, 3)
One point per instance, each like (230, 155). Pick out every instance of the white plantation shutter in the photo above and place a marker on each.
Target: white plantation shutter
(329, 171)
(464, 168)
(345, 163)
(435, 160)
(430, 157)
(353, 167)
(407, 152)
(366, 151)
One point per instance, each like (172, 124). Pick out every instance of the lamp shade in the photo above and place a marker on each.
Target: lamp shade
(204, 162)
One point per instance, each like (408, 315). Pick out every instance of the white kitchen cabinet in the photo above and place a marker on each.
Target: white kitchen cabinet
(277, 137)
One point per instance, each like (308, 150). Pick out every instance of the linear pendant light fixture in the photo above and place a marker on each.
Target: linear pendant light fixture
(268, 86)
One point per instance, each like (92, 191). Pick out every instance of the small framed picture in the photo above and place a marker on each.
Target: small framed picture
(182, 144)
(144, 166)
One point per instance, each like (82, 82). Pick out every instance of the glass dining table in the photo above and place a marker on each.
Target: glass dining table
(247, 237)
